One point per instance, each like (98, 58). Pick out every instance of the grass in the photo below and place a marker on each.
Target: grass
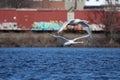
(42, 39)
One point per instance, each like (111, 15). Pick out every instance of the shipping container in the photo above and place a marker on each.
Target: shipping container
(26, 18)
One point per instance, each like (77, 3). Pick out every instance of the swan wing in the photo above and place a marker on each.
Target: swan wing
(87, 28)
(60, 38)
(80, 37)
(64, 25)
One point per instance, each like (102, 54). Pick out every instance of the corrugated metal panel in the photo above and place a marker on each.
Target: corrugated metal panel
(7, 15)
(93, 16)
(80, 14)
(43, 15)
(25, 19)
(59, 15)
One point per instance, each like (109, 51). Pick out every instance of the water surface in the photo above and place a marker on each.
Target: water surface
(59, 64)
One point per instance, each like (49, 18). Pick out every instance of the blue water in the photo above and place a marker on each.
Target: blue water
(59, 63)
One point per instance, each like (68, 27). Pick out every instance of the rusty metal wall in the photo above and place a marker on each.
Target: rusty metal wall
(7, 15)
(26, 17)
(93, 16)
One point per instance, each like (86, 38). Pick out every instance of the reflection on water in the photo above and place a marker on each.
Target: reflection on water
(59, 64)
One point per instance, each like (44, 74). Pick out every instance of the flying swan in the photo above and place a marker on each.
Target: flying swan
(74, 22)
(65, 42)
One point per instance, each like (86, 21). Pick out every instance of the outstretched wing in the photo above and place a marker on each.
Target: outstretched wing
(64, 25)
(80, 37)
(87, 28)
(60, 38)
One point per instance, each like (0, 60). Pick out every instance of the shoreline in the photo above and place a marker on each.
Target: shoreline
(42, 39)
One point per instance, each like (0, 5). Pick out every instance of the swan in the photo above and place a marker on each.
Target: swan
(74, 22)
(65, 42)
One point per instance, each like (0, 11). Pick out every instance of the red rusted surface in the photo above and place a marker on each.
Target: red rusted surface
(7, 15)
(25, 18)
(93, 16)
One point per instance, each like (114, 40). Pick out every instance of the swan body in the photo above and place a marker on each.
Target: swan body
(74, 22)
(66, 42)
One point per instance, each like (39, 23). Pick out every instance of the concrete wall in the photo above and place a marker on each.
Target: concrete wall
(71, 3)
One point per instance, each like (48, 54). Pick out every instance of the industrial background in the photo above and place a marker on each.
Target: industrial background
(32, 19)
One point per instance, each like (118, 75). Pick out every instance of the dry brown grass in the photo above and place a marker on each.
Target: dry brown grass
(42, 39)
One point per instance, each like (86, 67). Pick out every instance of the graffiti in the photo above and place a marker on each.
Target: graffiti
(75, 28)
(9, 26)
(46, 26)
(97, 27)
(49, 26)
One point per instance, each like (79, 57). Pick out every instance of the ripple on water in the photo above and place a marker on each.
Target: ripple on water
(59, 64)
